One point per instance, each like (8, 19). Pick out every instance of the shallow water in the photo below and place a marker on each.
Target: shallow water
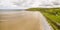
(7, 11)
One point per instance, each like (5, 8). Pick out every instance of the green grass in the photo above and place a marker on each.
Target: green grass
(53, 26)
(52, 15)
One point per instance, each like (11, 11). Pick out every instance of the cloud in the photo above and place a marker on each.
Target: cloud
(23, 4)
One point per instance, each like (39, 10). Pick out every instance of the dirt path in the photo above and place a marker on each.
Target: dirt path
(22, 20)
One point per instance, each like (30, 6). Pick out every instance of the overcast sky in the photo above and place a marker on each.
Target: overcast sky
(22, 4)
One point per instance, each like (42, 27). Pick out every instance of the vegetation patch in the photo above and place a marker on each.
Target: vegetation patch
(52, 15)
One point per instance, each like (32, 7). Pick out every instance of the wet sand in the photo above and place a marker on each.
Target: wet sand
(23, 20)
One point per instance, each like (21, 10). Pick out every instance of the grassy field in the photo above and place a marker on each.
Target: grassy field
(52, 15)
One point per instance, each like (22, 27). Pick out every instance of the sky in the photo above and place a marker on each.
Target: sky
(24, 4)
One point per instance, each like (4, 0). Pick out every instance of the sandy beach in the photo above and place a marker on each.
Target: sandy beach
(21, 20)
